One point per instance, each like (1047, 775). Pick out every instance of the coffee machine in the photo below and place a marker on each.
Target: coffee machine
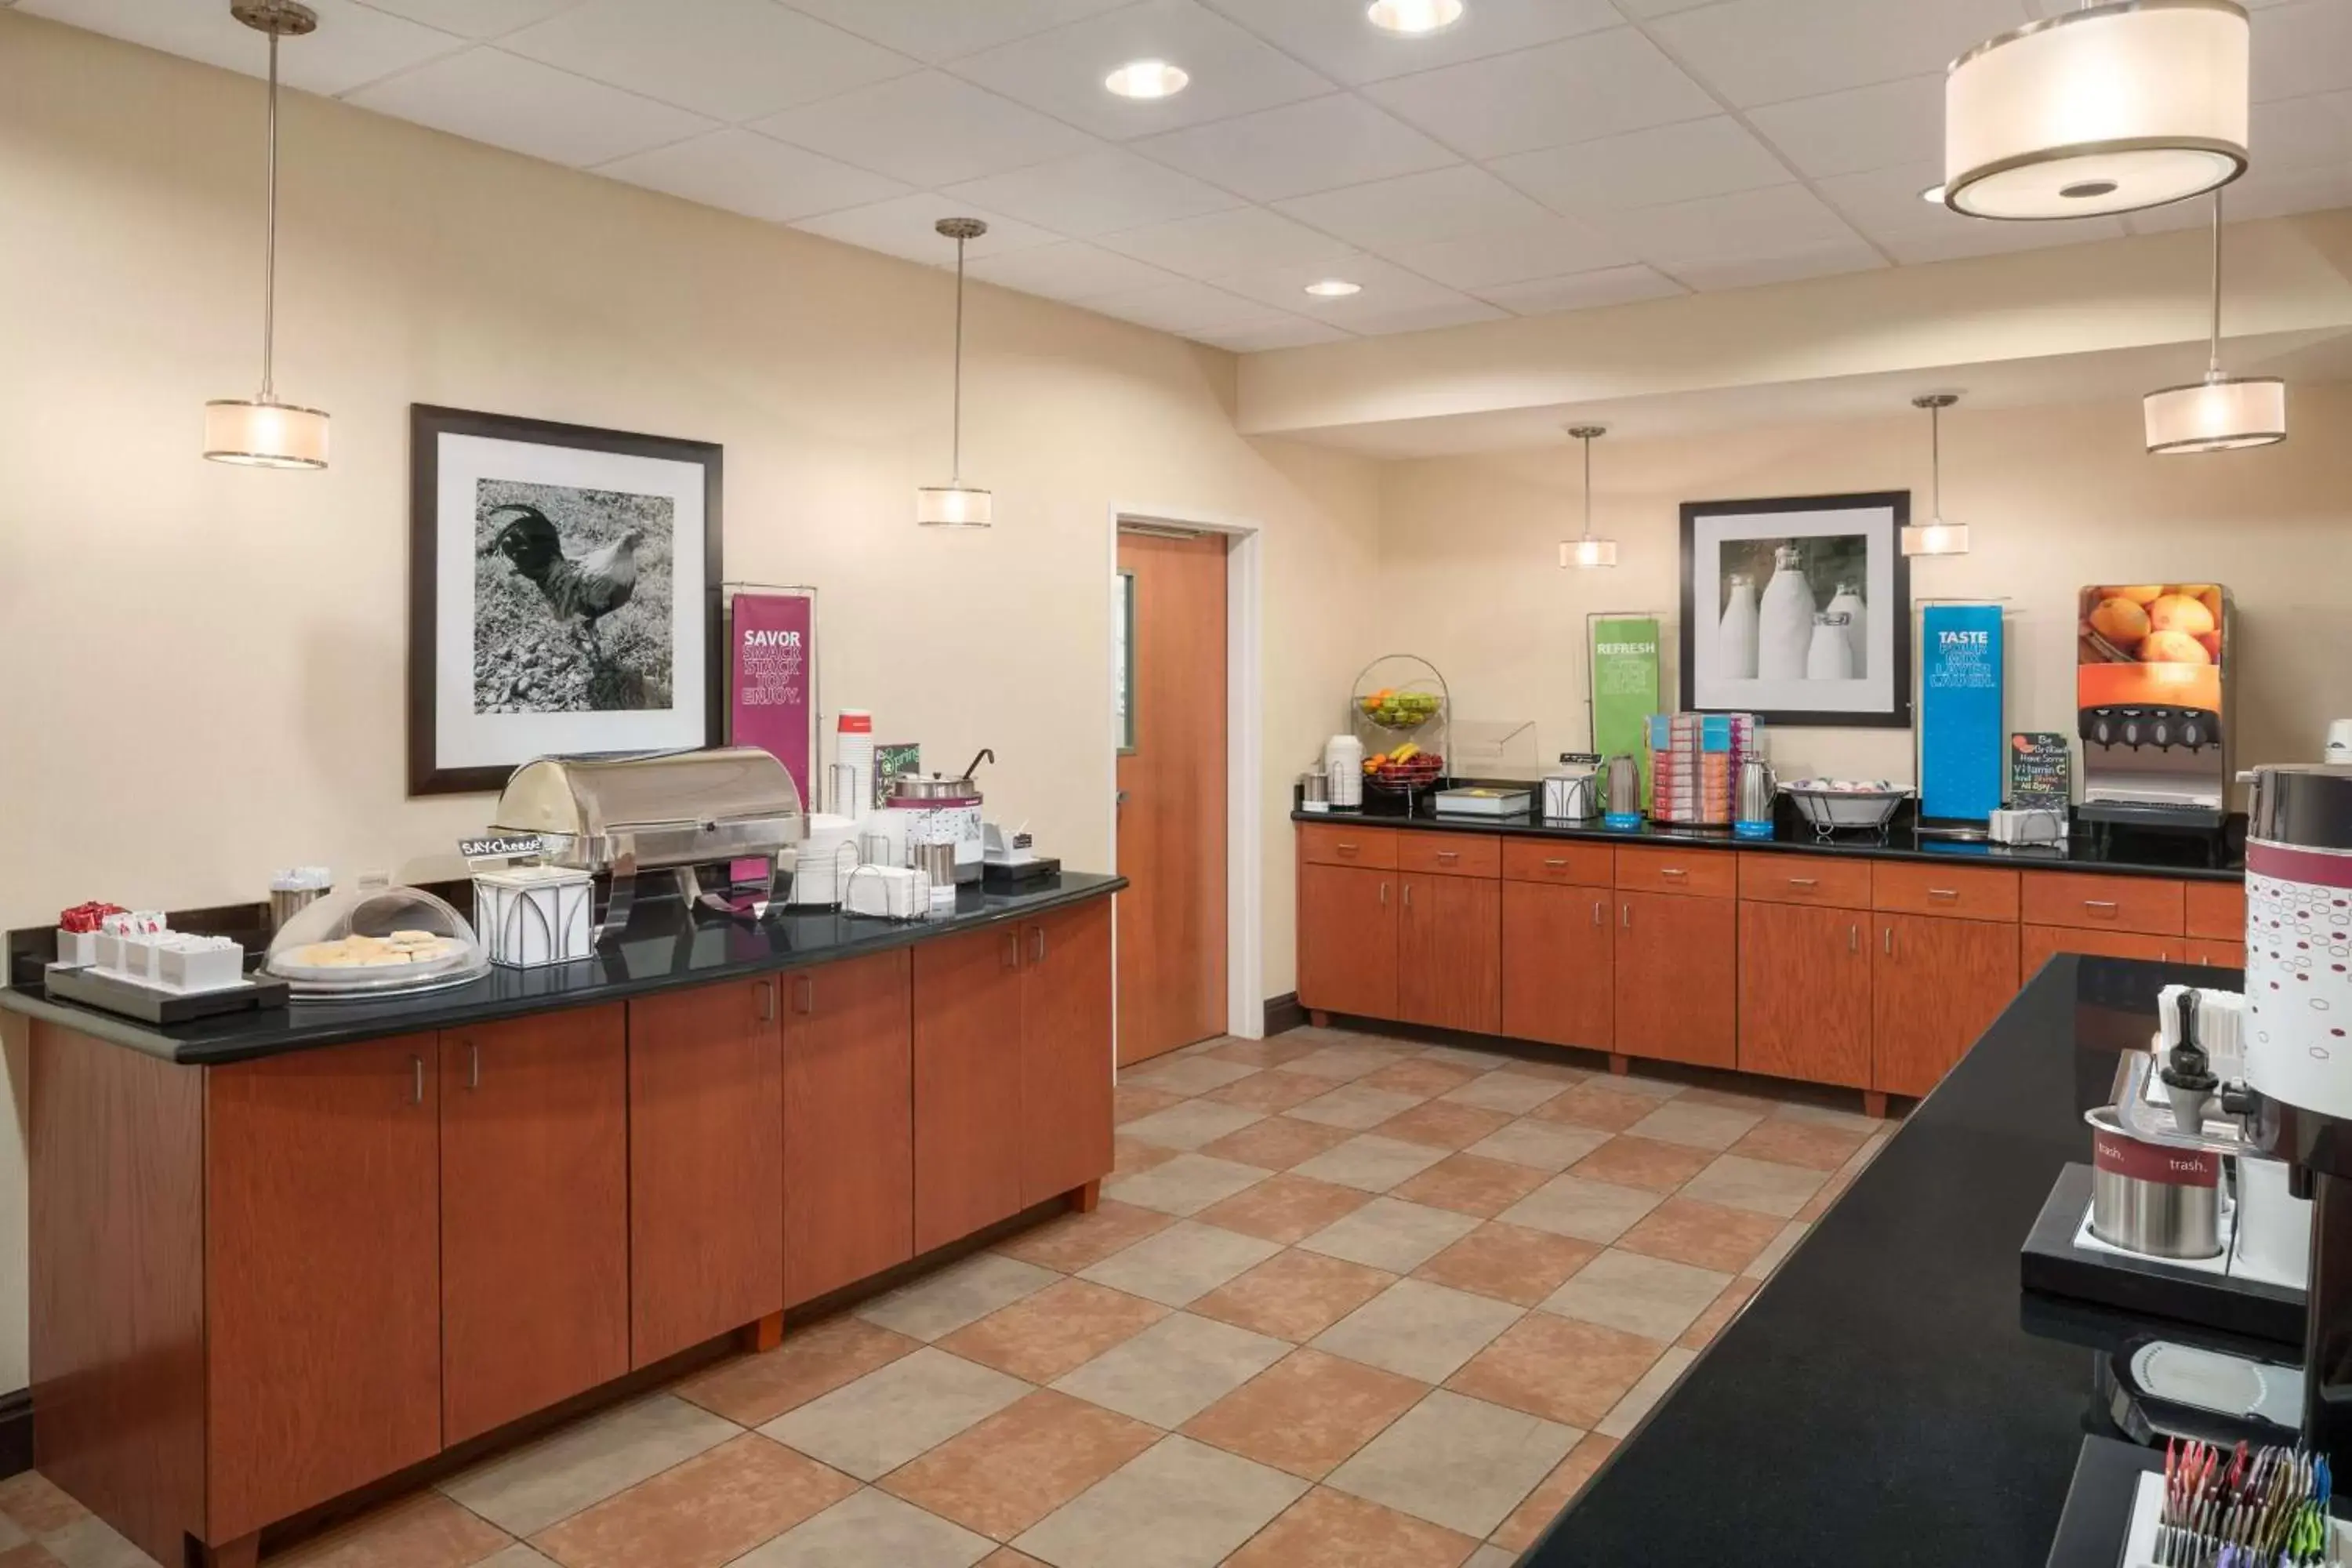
(2152, 679)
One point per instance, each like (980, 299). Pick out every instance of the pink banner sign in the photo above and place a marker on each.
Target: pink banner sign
(770, 703)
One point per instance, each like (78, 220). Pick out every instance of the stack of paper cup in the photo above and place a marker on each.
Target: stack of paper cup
(853, 747)
(826, 856)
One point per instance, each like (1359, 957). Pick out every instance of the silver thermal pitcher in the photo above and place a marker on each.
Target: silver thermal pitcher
(1752, 794)
(1621, 791)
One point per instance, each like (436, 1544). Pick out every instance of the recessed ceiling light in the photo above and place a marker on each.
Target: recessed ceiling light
(1147, 79)
(1933, 195)
(1413, 17)
(1333, 289)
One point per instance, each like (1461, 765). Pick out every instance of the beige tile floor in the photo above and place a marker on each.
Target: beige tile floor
(1349, 1301)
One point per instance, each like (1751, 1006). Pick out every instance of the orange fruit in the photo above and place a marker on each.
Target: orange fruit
(2180, 612)
(2121, 621)
(2173, 647)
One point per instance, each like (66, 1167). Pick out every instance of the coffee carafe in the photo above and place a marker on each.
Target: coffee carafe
(1621, 792)
(1752, 794)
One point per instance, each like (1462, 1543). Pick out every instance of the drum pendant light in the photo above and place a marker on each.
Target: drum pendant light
(2109, 109)
(956, 504)
(1584, 550)
(2220, 413)
(261, 432)
(1936, 537)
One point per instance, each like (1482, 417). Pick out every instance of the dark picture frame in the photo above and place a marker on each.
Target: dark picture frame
(429, 773)
(1878, 518)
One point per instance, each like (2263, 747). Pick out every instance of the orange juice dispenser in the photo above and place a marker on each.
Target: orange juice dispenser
(2152, 679)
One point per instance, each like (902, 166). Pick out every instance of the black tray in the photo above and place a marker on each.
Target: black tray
(998, 879)
(95, 988)
(2049, 1262)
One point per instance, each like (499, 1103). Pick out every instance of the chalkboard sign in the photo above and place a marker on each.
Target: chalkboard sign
(2040, 770)
(503, 846)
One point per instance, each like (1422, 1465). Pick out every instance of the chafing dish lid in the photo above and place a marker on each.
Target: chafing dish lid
(590, 796)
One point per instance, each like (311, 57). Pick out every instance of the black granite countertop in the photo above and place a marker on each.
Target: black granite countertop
(666, 947)
(2132, 855)
(1881, 1400)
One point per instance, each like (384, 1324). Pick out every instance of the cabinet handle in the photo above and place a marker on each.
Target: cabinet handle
(1600, 912)
(767, 992)
(1012, 948)
(473, 1064)
(1384, 895)
(1343, 849)
(417, 1081)
(1408, 895)
(1555, 865)
(1672, 871)
(1037, 945)
(1625, 916)
(1942, 892)
(804, 995)
(1854, 939)
(1886, 939)
(1804, 881)
(1449, 854)
(2098, 903)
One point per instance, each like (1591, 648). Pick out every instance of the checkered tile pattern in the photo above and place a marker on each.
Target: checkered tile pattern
(1347, 1299)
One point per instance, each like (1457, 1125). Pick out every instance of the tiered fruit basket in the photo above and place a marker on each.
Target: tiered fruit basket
(1400, 711)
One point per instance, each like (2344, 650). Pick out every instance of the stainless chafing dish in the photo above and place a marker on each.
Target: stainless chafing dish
(674, 810)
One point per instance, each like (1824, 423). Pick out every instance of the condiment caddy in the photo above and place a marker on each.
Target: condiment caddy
(131, 963)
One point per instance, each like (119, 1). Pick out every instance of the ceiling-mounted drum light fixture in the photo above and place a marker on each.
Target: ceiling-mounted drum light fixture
(2109, 109)
(2221, 413)
(259, 431)
(956, 504)
(1584, 550)
(1936, 537)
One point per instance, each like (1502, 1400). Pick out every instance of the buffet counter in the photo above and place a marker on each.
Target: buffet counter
(281, 1257)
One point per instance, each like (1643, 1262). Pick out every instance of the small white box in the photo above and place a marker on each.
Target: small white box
(140, 954)
(76, 948)
(200, 964)
(529, 916)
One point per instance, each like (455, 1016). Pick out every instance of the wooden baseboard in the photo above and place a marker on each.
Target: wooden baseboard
(16, 1432)
(1283, 1013)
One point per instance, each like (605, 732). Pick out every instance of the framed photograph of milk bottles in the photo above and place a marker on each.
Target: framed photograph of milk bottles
(563, 588)
(1798, 610)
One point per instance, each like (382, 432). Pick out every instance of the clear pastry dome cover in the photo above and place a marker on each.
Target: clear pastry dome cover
(373, 939)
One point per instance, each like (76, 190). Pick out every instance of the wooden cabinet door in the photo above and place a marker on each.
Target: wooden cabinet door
(849, 1123)
(968, 1055)
(1556, 982)
(706, 1164)
(2041, 942)
(322, 1277)
(1804, 993)
(534, 1213)
(1449, 953)
(1677, 978)
(1065, 1050)
(2215, 952)
(1347, 940)
(1935, 986)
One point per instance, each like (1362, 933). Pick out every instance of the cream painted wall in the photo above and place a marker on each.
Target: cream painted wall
(2056, 498)
(207, 663)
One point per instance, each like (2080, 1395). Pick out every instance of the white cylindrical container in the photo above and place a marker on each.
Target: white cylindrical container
(1829, 657)
(1343, 769)
(1784, 618)
(853, 747)
(1735, 633)
(528, 916)
(2274, 1225)
(1847, 601)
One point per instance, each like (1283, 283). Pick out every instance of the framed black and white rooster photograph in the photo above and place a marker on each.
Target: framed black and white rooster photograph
(562, 594)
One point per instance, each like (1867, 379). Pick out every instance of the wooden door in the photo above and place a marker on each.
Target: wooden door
(1449, 952)
(849, 1123)
(1347, 940)
(2041, 942)
(1065, 1050)
(2216, 952)
(706, 1164)
(322, 1277)
(1935, 986)
(968, 1054)
(1171, 784)
(1557, 953)
(1677, 978)
(534, 1213)
(1804, 993)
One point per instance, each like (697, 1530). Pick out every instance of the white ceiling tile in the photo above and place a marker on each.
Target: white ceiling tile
(1338, 39)
(1781, 221)
(1062, 72)
(1417, 209)
(1810, 261)
(746, 172)
(1764, 51)
(488, 95)
(1643, 10)
(1957, 236)
(2301, 47)
(1425, 318)
(1183, 306)
(1323, 142)
(905, 227)
(929, 129)
(1582, 290)
(1481, 262)
(1218, 244)
(1570, 91)
(352, 46)
(1071, 269)
(1865, 128)
(2299, 133)
(731, 60)
(1387, 289)
(2259, 193)
(1682, 161)
(473, 19)
(937, 30)
(1275, 331)
(1096, 193)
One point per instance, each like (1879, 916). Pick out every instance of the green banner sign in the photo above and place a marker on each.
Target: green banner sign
(1625, 688)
